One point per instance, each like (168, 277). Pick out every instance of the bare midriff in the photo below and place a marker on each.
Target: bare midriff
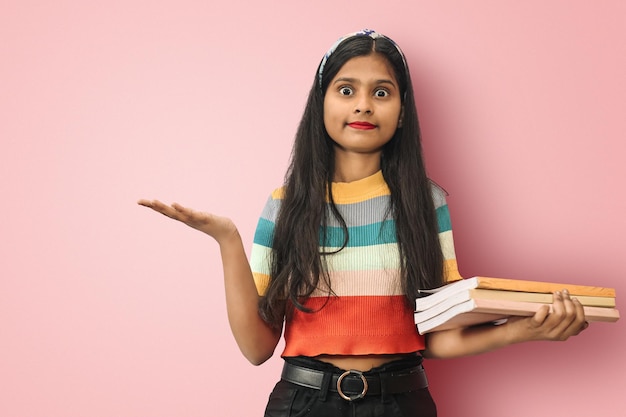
(359, 363)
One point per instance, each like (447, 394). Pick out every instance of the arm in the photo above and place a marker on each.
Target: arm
(566, 318)
(255, 338)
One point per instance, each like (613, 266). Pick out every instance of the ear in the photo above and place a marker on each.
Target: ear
(401, 117)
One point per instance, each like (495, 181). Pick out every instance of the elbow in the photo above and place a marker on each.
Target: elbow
(257, 354)
(256, 358)
(429, 354)
(257, 362)
(258, 347)
(441, 345)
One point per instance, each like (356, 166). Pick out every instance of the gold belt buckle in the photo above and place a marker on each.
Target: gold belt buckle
(358, 396)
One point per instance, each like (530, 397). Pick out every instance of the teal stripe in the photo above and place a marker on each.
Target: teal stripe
(372, 234)
(264, 233)
(443, 219)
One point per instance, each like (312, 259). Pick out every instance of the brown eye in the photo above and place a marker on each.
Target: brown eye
(381, 93)
(345, 91)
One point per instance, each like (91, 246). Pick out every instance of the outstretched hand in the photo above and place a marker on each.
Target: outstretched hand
(563, 319)
(220, 228)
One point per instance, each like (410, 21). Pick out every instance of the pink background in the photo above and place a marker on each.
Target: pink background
(107, 309)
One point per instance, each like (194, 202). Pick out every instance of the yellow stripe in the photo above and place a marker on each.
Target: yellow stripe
(261, 281)
(353, 192)
(278, 193)
(451, 271)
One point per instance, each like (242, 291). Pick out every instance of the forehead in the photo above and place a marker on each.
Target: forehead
(372, 66)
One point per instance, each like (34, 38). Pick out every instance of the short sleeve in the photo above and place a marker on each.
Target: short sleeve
(446, 240)
(260, 256)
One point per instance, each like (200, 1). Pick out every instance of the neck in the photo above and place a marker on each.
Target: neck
(354, 167)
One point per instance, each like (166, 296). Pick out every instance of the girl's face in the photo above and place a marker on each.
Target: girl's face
(362, 106)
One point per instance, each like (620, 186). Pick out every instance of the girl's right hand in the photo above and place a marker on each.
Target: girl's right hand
(220, 228)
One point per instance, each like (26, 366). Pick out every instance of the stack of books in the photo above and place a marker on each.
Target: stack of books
(481, 300)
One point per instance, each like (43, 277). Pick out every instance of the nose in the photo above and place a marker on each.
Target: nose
(363, 104)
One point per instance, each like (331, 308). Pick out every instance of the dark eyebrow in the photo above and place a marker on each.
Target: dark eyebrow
(354, 81)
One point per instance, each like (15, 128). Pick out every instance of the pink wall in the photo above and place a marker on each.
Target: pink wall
(109, 310)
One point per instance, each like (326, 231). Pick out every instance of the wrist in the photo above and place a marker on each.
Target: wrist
(229, 238)
(517, 330)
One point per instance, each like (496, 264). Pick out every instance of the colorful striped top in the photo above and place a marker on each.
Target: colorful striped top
(367, 313)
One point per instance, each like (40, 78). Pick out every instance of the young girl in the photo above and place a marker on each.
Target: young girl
(342, 249)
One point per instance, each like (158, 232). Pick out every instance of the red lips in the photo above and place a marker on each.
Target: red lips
(362, 125)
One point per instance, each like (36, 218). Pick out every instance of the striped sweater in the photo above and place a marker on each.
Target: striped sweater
(367, 313)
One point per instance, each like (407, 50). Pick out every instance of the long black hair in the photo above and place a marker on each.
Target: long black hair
(298, 264)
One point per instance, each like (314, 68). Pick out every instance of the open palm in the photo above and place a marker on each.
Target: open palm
(215, 226)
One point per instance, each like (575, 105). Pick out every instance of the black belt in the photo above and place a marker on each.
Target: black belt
(353, 385)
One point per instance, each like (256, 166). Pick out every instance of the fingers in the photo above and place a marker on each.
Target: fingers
(540, 316)
(563, 314)
(174, 211)
(205, 222)
(567, 317)
(218, 227)
(149, 203)
(579, 323)
(187, 212)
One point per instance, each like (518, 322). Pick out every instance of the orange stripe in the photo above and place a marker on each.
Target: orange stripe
(353, 326)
